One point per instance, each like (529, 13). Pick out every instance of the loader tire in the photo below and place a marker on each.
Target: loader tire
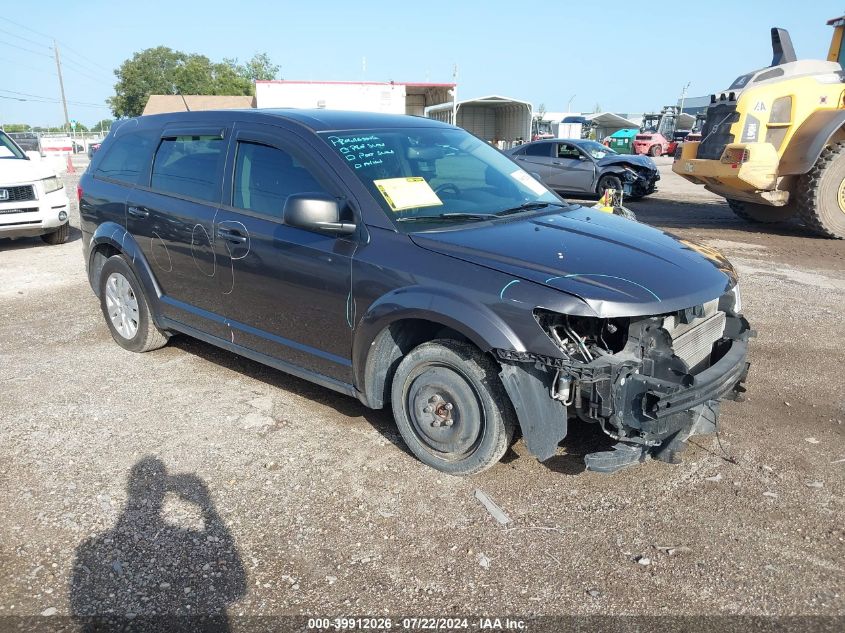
(761, 213)
(821, 194)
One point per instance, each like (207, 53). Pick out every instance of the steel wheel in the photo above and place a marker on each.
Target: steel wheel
(444, 410)
(122, 305)
(451, 408)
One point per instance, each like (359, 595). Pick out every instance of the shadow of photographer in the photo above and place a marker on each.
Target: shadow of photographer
(149, 574)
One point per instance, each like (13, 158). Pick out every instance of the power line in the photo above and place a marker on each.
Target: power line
(24, 48)
(53, 102)
(12, 61)
(64, 44)
(28, 94)
(25, 39)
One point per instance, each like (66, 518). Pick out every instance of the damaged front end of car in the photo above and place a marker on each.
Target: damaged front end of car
(641, 181)
(649, 382)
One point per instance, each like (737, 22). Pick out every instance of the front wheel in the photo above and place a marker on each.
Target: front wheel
(59, 236)
(760, 213)
(451, 408)
(125, 307)
(821, 194)
(609, 182)
(655, 150)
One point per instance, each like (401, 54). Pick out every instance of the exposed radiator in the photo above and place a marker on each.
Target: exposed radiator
(693, 342)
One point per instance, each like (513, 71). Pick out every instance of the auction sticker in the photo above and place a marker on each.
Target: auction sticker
(529, 181)
(407, 193)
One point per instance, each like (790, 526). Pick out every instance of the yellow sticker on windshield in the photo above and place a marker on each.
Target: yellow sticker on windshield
(407, 193)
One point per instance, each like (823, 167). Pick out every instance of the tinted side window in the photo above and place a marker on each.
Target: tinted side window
(128, 156)
(540, 149)
(189, 166)
(265, 177)
(565, 150)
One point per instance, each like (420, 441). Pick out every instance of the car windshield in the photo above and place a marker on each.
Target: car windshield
(8, 148)
(430, 178)
(596, 150)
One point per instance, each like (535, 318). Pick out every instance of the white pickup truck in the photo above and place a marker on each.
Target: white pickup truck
(33, 200)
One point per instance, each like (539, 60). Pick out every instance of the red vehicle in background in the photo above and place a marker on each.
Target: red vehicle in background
(657, 135)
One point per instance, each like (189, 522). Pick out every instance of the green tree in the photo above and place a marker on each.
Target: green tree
(102, 126)
(260, 68)
(16, 127)
(162, 70)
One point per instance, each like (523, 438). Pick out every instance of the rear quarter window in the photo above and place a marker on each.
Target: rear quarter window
(128, 156)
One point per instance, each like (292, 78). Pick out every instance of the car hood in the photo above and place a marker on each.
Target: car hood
(637, 160)
(618, 267)
(18, 170)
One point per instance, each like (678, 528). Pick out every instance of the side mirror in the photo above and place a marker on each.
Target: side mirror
(582, 157)
(316, 212)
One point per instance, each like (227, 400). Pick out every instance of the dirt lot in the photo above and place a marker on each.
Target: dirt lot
(190, 479)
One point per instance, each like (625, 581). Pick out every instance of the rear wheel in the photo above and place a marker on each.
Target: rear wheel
(125, 308)
(59, 236)
(760, 213)
(451, 408)
(821, 194)
(655, 150)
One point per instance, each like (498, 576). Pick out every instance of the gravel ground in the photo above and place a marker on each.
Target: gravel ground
(192, 481)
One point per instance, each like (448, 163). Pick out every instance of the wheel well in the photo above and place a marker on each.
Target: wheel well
(390, 346)
(98, 259)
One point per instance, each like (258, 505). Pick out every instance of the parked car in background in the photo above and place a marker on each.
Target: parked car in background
(581, 166)
(32, 196)
(93, 147)
(407, 263)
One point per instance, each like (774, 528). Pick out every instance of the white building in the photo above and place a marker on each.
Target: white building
(361, 96)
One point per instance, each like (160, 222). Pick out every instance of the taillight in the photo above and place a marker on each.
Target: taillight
(735, 156)
(79, 193)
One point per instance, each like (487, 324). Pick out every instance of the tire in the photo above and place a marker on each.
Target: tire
(821, 194)
(448, 372)
(760, 213)
(655, 150)
(608, 182)
(133, 329)
(59, 236)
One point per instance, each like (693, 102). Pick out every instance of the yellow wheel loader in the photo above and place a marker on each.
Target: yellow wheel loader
(773, 143)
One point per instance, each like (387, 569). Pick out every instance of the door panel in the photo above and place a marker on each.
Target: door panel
(568, 173)
(539, 162)
(285, 290)
(172, 218)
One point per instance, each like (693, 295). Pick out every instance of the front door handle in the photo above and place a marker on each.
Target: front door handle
(231, 235)
(138, 212)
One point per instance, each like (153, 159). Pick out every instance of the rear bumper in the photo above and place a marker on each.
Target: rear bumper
(31, 218)
(757, 173)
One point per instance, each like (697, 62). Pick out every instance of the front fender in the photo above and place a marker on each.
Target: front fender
(478, 323)
(116, 236)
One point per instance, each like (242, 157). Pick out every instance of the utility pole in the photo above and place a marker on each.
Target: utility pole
(61, 83)
(569, 103)
(455, 95)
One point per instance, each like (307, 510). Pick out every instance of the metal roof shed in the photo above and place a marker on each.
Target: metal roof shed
(492, 118)
(606, 123)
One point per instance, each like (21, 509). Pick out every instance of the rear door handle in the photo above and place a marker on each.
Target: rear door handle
(138, 212)
(231, 235)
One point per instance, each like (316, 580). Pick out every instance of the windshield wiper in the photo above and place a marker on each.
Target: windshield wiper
(528, 206)
(445, 216)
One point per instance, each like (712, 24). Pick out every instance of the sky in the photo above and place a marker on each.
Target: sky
(623, 56)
